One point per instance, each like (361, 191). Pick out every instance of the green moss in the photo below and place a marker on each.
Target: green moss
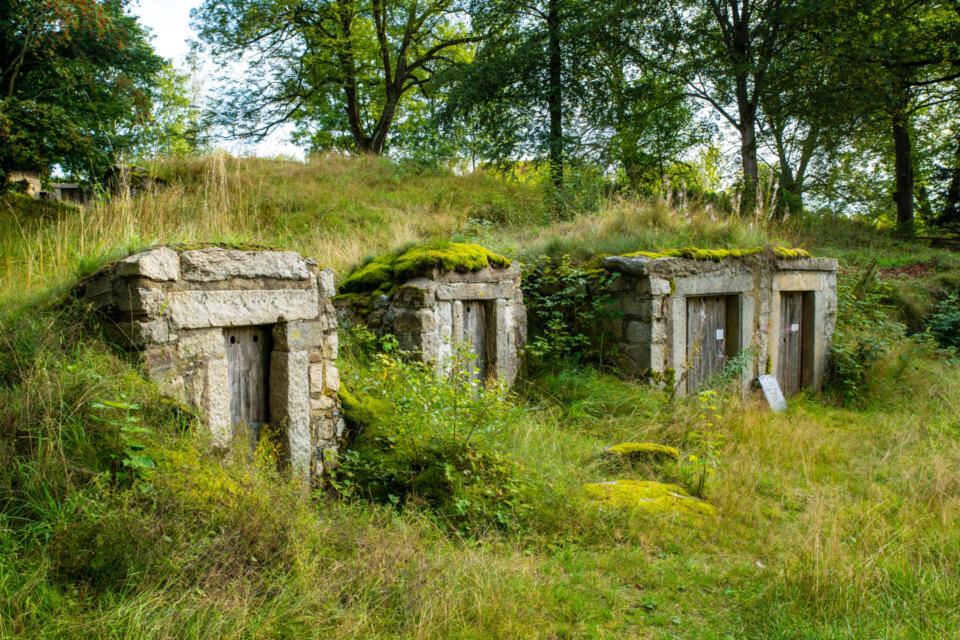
(361, 410)
(769, 365)
(644, 450)
(673, 286)
(400, 266)
(693, 253)
(648, 496)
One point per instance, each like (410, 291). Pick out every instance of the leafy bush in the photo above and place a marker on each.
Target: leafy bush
(569, 311)
(864, 333)
(944, 323)
(425, 438)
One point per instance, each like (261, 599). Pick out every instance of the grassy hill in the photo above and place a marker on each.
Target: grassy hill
(837, 519)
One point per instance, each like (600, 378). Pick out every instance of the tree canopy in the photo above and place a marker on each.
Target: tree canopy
(76, 83)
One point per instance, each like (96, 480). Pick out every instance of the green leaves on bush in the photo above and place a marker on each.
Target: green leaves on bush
(944, 324)
(433, 440)
(569, 312)
(864, 333)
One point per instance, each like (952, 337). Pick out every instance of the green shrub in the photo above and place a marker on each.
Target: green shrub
(570, 312)
(944, 323)
(864, 334)
(426, 439)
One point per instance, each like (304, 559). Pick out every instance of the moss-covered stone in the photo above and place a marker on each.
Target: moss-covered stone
(694, 253)
(361, 410)
(644, 450)
(648, 496)
(399, 266)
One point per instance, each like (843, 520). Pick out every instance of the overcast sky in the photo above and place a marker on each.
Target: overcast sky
(169, 21)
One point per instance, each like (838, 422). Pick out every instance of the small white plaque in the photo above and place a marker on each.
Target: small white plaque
(772, 392)
(719, 334)
(794, 328)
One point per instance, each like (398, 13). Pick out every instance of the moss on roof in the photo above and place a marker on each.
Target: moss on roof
(693, 253)
(399, 266)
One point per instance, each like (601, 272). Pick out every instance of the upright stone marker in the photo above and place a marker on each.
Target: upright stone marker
(772, 392)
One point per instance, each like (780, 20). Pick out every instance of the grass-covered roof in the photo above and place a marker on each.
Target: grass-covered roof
(399, 266)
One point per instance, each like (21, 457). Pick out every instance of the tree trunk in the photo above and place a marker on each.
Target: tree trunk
(903, 170)
(555, 94)
(385, 122)
(748, 159)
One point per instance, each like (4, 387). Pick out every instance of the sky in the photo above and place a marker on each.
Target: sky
(169, 22)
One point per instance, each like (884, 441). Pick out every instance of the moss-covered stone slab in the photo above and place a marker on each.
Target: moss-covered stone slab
(648, 496)
(694, 253)
(642, 450)
(399, 266)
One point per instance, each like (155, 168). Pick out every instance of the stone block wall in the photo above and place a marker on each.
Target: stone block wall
(651, 296)
(426, 313)
(172, 306)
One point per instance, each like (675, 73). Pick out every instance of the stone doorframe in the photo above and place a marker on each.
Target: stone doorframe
(711, 284)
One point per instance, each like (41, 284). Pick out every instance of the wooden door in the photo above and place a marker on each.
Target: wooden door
(790, 359)
(706, 338)
(248, 371)
(475, 336)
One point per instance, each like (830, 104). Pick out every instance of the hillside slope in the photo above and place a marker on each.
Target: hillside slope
(836, 519)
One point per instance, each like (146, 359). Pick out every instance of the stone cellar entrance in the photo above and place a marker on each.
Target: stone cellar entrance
(248, 374)
(712, 336)
(473, 332)
(247, 336)
(796, 340)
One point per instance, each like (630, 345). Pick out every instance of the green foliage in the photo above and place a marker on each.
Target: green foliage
(703, 461)
(425, 439)
(397, 267)
(569, 311)
(944, 323)
(76, 78)
(342, 72)
(129, 457)
(864, 333)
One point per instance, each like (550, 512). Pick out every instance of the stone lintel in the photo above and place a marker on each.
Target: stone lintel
(475, 291)
(199, 309)
(809, 264)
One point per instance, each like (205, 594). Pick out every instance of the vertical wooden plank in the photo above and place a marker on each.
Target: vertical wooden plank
(248, 371)
(789, 365)
(706, 339)
(475, 335)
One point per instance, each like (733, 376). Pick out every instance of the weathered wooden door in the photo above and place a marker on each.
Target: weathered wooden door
(475, 336)
(790, 360)
(248, 370)
(706, 338)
